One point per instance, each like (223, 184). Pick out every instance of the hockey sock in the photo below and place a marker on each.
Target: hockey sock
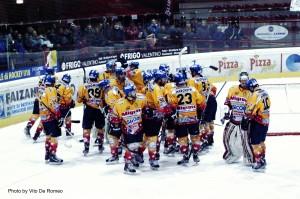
(100, 137)
(128, 156)
(114, 150)
(86, 137)
(53, 145)
(31, 121)
(47, 144)
(184, 149)
(152, 155)
(141, 149)
(39, 130)
(170, 140)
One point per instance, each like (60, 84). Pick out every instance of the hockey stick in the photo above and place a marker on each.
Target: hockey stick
(72, 121)
(211, 67)
(221, 88)
(183, 50)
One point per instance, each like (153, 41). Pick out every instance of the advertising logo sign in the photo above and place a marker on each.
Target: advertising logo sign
(293, 62)
(271, 32)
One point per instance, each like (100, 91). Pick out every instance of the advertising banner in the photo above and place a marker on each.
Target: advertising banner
(17, 100)
(271, 32)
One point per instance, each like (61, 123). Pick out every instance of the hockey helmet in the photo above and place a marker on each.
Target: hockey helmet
(111, 65)
(179, 78)
(66, 78)
(93, 75)
(160, 75)
(130, 91)
(147, 76)
(165, 68)
(134, 65)
(49, 80)
(196, 69)
(103, 84)
(251, 84)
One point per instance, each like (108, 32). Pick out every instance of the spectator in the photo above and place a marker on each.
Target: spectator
(233, 35)
(218, 38)
(117, 33)
(153, 28)
(132, 32)
(202, 34)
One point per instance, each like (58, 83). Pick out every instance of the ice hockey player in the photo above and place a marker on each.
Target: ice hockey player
(35, 112)
(51, 120)
(232, 136)
(111, 95)
(110, 70)
(154, 112)
(207, 118)
(65, 93)
(129, 111)
(135, 75)
(169, 120)
(187, 101)
(257, 116)
(121, 80)
(90, 95)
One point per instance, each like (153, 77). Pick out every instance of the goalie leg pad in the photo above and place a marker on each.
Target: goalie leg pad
(232, 143)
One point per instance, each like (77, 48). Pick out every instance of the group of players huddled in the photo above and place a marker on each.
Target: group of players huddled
(142, 108)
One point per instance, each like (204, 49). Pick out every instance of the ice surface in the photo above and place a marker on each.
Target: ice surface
(22, 167)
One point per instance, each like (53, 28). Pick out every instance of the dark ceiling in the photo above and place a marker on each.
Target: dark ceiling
(45, 10)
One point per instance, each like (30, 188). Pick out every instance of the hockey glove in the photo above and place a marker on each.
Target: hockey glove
(245, 124)
(226, 117)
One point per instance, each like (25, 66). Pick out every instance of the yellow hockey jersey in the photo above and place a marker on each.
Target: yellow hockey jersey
(90, 94)
(65, 93)
(236, 101)
(187, 100)
(258, 107)
(168, 89)
(106, 75)
(201, 84)
(112, 96)
(137, 77)
(48, 104)
(155, 96)
(130, 114)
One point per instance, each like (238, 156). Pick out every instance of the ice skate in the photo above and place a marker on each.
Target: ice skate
(154, 164)
(27, 131)
(53, 159)
(184, 160)
(128, 168)
(112, 160)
